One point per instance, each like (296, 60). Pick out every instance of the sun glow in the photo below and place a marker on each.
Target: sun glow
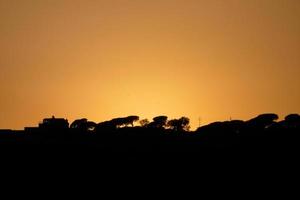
(105, 59)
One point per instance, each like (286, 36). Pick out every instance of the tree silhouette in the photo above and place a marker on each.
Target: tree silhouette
(83, 125)
(292, 121)
(293, 118)
(117, 122)
(120, 122)
(159, 122)
(263, 121)
(130, 120)
(181, 124)
(79, 124)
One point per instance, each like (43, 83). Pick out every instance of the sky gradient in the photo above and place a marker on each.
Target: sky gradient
(212, 59)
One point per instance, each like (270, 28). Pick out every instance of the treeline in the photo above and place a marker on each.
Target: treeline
(181, 124)
(84, 125)
(134, 134)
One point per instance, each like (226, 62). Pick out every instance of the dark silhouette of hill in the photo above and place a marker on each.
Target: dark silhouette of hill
(256, 147)
(161, 135)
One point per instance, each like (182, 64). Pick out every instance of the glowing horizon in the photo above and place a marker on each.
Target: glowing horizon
(112, 58)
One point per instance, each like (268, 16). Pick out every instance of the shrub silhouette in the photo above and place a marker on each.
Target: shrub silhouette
(144, 122)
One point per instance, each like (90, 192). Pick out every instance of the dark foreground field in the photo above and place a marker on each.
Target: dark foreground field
(242, 152)
(261, 139)
(137, 140)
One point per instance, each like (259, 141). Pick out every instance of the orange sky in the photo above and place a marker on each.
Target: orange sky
(213, 59)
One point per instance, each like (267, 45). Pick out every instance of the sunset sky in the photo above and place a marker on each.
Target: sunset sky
(101, 59)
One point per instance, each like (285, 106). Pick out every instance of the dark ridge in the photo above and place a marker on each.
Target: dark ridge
(258, 147)
(160, 135)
